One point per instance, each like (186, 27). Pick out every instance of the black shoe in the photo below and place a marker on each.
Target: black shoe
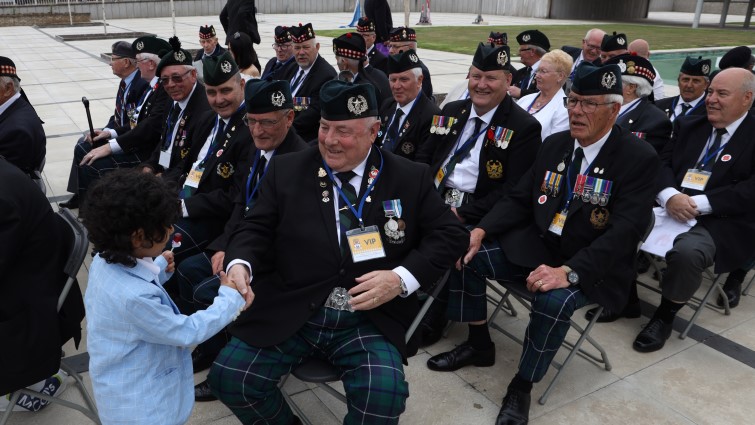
(434, 323)
(653, 337)
(201, 361)
(463, 355)
(515, 409)
(202, 392)
(72, 203)
(733, 291)
(631, 311)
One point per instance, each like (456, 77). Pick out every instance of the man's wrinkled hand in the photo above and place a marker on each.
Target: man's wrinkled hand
(375, 289)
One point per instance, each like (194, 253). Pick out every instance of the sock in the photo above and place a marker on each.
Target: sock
(667, 310)
(479, 337)
(735, 278)
(520, 384)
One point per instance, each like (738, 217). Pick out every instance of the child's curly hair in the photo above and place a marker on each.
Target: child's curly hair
(123, 202)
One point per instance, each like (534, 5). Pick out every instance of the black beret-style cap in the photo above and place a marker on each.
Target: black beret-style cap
(282, 35)
(635, 66)
(697, 67)
(350, 45)
(150, 44)
(343, 101)
(613, 42)
(491, 58)
(262, 96)
(206, 32)
(218, 69)
(737, 57)
(365, 24)
(534, 38)
(402, 34)
(8, 68)
(498, 38)
(175, 56)
(403, 61)
(123, 49)
(590, 80)
(302, 33)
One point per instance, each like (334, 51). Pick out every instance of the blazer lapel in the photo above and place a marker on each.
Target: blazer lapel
(323, 195)
(734, 148)
(603, 161)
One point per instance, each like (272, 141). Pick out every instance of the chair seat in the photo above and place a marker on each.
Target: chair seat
(317, 371)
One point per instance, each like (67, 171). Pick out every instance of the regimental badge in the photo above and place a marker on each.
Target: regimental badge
(225, 67)
(277, 99)
(403, 34)
(413, 58)
(225, 170)
(179, 56)
(705, 68)
(357, 105)
(184, 152)
(494, 169)
(503, 58)
(631, 67)
(620, 41)
(622, 65)
(321, 173)
(140, 45)
(599, 218)
(309, 32)
(407, 148)
(526, 38)
(608, 80)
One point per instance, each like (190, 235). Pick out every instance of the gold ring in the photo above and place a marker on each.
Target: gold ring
(539, 283)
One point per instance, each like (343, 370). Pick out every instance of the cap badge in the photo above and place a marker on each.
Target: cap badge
(631, 67)
(277, 99)
(357, 105)
(609, 80)
(413, 58)
(226, 67)
(526, 38)
(622, 66)
(503, 58)
(705, 68)
(620, 41)
(179, 56)
(403, 34)
(140, 45)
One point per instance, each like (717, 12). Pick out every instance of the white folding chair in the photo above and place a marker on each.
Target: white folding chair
(79, 250)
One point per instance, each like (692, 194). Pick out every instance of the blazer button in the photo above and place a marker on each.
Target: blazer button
(342, 272)
(312, 306)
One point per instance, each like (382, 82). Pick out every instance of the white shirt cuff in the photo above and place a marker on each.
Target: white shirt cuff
(184, 211)
(411, 282)
(703, 205)
(114, 146)
(239, 261)
(665, 195)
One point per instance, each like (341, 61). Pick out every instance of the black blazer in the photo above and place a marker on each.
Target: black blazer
(427, 84)
(292, 143)
(378, 60)
(22, 138)
(518, 78)
(219, 50)
(307, 122)
(223, 170)
(144, 138)
(135, 91)
(280, 73)
(730, 190)
(187, 127)
(415, 130)
(668, 104)
(602, 257)
(499, 168)
(239, 15)
(649, 123)
(377, 78)
(291, 240)
(574, 52)
(35, 247)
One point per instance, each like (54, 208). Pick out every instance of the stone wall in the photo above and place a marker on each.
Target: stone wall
(9, 20)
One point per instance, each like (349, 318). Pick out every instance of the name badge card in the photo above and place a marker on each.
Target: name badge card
(696, 179)
(164, 158)
(557, 225)
(365, 244)
(192, 180)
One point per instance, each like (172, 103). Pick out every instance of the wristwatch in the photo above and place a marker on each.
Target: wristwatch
(571, 276)
(404, 290)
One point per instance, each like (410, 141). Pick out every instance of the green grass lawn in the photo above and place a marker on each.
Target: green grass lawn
(465, 39)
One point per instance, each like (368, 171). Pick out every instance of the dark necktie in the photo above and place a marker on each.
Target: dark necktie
(297, 80)
(685, 107)
(346, 216)
(260, 169)
(219, 133)
(172, 118)
(459, 155)
(526, 80)
(575, 165)
(392, 133)
(119, 103)
(708, 166)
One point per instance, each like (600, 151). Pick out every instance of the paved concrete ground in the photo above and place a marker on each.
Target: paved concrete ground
(702, 380)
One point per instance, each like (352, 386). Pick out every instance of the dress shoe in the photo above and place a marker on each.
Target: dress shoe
(201, 361)
(515, 409)
(733, 291)
(461, 356)
(202, 392)
(631, 311)
(653, 337)
(72, 203)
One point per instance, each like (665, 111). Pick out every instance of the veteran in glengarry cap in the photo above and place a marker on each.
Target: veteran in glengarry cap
(350, 229)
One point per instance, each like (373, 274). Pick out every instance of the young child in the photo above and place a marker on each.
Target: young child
(139, 343)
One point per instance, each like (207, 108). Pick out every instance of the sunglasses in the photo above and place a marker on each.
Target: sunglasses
(177, 79)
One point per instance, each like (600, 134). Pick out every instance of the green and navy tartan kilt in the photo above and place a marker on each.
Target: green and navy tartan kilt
(466, 298)
(246, 378)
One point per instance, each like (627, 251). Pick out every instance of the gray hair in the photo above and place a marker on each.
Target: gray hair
(417, 72)
(643, 86)
(149, 56)
(748, 85)
(538, 50)
(16, 83)
(614, 98)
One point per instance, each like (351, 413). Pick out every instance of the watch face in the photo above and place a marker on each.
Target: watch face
(572, 277)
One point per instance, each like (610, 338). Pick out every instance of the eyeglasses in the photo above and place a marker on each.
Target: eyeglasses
(266, 124)
(282, 46)
(177, 79)
(142, 60)
(591, 46)
(588, 106)
(114, 58)
(525, 49)
(542, 71)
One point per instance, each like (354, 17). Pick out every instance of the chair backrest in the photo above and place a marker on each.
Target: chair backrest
(79, 249)
(648, 230)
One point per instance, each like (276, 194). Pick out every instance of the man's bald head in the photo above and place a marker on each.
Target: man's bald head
(641, 47)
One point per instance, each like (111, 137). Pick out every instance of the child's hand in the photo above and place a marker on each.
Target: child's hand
(171, 267)
(243, 287)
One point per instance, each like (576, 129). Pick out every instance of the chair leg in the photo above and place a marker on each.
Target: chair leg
(12, 402)
(747, 288)
(714, 287)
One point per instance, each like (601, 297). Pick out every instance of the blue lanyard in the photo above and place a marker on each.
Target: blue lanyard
(393, 142)
(365, 195)
(707, 157)
(631, 108)
(569, 185)
(252, 173)
(533, 102)
(469, 141)
(676, 103)
(213, 145)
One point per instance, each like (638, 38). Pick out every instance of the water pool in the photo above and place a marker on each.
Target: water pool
(668, 63)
